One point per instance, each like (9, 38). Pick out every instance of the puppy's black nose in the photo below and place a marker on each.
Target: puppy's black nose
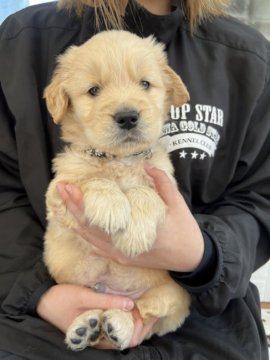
(127, 119)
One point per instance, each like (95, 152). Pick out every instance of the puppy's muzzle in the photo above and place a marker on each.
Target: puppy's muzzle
(126, 119)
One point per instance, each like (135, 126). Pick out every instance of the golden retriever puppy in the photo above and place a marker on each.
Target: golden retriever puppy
(111, 96)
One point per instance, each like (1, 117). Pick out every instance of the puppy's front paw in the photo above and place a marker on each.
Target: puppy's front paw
(106, 206)
(84, 331)
(136, 240)
(147, 212)
(118, 327)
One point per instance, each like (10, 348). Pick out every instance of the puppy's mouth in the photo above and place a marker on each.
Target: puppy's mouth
(130, 137)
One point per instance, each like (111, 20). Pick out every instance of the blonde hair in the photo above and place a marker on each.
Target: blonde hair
(110, 11)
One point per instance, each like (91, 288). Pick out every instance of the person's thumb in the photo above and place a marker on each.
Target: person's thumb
(106, 301)
(166, 189)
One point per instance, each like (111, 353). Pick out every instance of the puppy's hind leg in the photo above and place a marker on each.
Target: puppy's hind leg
(118, 327)
(169, 303)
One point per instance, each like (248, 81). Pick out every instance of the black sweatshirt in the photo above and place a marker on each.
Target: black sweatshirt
(219, 143)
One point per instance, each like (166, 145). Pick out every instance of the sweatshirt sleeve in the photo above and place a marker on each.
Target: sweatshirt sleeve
(23, 276)
(239, 222)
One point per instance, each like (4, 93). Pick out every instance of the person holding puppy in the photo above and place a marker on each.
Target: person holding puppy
(217, 229)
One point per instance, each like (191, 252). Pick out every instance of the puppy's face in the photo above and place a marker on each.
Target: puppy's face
(113, 93)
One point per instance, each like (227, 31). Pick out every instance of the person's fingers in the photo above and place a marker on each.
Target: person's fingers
(71, 192)
(164, 185)
(73, 198)
(96, 235)
(138, 328)
(147, 328)
(90, 299)
(140, 331)
(105, 345)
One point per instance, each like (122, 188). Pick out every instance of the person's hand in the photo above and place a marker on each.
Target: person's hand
(140, 331)
(62, 303)
(179, 245)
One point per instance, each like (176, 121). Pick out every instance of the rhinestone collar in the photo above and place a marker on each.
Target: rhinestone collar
(104, 155)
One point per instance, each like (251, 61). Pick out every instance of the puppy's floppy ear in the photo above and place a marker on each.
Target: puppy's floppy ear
(177, 91)
(57, 99)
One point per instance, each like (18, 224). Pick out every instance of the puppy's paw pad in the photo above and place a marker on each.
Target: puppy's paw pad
(95, 330)
(77, 338)
(93, 323)
(117, 326)
(84, 331)
(110, 331)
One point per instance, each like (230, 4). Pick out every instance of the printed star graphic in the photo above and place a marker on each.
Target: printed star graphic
(194, 155)
(183, 154)
(202, 156)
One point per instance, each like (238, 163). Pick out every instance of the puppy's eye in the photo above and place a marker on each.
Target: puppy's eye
(145, 84)
(94, 91)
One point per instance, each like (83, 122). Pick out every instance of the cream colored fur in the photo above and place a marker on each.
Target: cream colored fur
(118, 195)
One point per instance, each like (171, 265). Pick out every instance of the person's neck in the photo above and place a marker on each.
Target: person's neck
(156, 7)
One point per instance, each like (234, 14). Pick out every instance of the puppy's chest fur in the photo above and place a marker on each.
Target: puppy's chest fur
(117, 193)
(78, 167)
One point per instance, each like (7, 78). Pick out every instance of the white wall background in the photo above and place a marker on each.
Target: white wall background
(261, 278)
(35, 2)
(253, 12)
(7, 7)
